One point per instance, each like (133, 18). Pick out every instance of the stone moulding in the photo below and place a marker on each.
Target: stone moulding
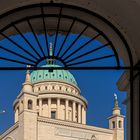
(74, 125)
(73, 133)
(15, 126)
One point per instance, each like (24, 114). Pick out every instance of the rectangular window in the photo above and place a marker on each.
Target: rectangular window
(53, 114)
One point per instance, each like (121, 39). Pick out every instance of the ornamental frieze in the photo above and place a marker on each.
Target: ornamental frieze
(75, 134)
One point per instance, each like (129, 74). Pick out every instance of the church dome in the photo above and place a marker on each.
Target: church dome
(54, 75)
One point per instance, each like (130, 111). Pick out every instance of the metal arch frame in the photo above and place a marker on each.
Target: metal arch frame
(100, 33)
(131, 68)
(80, 9)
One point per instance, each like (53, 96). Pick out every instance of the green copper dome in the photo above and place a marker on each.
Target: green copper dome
(54, 75)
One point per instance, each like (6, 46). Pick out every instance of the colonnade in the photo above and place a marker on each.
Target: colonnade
(78, 110)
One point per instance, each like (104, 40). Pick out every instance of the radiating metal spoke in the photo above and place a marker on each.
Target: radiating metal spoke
(93, 50)
(90, 60)
(71, 56)
(74, 41)
(12, 52)
(30, 25)
(72, 24)
(16, 61)
(58, 24)
(26, 40)
(17, 45)
(45, 30)
(85, 44)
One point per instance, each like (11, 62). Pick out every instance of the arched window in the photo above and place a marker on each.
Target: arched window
(120, 124)
(113, 124)
(30, 104)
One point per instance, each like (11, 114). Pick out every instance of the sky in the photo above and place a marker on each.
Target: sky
(97, 86)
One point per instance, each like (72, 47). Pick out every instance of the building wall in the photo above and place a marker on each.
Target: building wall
(59, 130)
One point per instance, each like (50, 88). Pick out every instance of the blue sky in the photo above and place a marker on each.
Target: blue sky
(97, 86)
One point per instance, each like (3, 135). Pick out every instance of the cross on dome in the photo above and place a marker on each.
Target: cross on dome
(51, 60)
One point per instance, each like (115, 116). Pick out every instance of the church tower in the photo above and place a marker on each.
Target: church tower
(25, 111)
(116, 121)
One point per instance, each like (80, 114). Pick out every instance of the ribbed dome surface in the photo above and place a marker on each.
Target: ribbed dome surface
(46, 75)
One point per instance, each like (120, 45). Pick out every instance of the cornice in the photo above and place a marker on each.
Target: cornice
(31, 93)
(113, 116)
(65, 96)
(59, 81)
(15, 126)
(74, 125)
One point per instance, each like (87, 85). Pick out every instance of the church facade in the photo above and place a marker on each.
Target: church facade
(50, 107)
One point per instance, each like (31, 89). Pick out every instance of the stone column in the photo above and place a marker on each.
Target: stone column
(58, 108)
(79, 113)
(83, 115)
(49, 107)
(66, 107)
(40, 107)
(73, 111)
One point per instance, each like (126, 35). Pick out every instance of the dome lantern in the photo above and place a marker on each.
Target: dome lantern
(54, 75)
(51, 60)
